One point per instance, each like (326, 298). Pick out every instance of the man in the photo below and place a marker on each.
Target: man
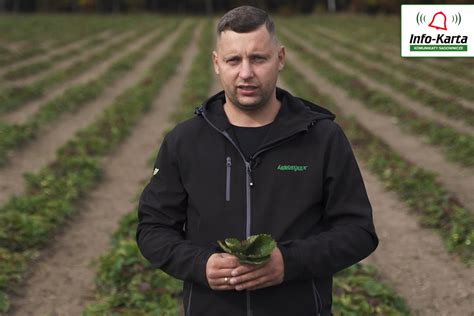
(255, 159)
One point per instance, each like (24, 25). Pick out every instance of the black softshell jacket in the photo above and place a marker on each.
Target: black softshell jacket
(303, 186)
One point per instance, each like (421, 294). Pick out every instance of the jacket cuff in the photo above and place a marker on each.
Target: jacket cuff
(292, 263)
(200, 267)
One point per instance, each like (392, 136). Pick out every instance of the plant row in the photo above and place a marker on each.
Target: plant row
(37, 67)
(4, 50)
(10, 57)
(378, 30)
(447, 105)
(30, 32)
(28, 221)
(384, 34)
(58, 29)
(13, 136)
(435, 206)
(456, 146)
(126, 283)
(12, 98)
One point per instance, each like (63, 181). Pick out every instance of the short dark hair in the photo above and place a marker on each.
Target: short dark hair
(245, 19)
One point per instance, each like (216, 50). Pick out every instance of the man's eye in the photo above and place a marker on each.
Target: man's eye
(259, 59)
(233, 61)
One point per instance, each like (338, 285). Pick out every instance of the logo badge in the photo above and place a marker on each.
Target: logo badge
(437, 31)
(291, 168)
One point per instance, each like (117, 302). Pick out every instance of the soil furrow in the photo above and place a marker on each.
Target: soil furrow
(403, 100)
(62, 282)
(29, 108)
(458, 180)
(21, 115)
(68, 62)
(395, 57)
(53, 52)
(39, 153)
(414, 260)
(360, 58)
(434, 64)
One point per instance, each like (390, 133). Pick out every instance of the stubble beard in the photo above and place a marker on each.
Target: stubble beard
(259, 104)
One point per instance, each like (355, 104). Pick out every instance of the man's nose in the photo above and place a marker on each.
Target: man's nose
(246, 70)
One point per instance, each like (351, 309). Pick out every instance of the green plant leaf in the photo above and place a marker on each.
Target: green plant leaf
(256, 249)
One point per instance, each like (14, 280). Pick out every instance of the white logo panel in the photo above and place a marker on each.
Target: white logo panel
(437, 30)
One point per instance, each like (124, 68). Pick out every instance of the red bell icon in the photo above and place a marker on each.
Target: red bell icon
(439, 21)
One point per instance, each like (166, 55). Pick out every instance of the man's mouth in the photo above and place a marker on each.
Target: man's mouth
(247, 89)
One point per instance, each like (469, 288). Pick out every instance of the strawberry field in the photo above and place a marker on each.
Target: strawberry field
(86, 100)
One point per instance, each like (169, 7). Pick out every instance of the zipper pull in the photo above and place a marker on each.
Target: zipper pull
(227, 179)
(251, 165)
(249, 170)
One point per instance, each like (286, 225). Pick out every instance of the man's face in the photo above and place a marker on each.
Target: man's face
(248, 66)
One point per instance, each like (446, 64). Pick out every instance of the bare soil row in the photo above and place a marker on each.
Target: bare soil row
(458, 180)
(429, 65)
(53, 52)
(42, 151)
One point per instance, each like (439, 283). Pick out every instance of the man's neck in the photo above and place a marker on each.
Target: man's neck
(256, 118)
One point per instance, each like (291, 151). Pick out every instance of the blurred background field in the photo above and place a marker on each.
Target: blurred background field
(89, 88)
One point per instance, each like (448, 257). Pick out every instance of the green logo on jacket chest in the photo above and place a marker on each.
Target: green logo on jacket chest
(292, 168)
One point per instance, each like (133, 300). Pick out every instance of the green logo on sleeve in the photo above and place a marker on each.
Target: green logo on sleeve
(291, 168)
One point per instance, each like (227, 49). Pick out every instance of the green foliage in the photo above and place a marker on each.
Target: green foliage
(12, 268)
(32, 51)
(34, 68)
(352, 53)
(13, 136)
(12, 265)
(196, 88)
(358, 291)
(32, 32)
(256, 249)
(128, 281)
(28, 220)
(381, 36)
(12, 98)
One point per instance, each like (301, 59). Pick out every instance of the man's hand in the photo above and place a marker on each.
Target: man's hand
(218, 270)
(252, 277)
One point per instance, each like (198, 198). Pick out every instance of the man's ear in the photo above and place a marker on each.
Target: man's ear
(214, 62)
(281, 58)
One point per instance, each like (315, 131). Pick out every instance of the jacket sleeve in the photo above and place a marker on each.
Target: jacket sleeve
(161, 219)
(348, 234)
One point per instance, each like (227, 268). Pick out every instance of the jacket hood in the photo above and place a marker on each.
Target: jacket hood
(295, 114)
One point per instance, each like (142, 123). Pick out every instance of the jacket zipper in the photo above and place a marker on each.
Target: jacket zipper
(188, 310)
(317, 298)
(249, 183)
(227, 184)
